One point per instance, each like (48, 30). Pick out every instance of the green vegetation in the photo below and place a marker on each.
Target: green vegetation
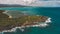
(9, 23)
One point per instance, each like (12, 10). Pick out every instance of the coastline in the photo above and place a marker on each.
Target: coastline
(37, 25)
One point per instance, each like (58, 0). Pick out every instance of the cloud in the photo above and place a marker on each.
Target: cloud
(42, 3)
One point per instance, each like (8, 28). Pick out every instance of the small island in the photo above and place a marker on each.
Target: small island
(9, 23)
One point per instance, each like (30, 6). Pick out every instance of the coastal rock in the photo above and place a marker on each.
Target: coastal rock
(10, 24)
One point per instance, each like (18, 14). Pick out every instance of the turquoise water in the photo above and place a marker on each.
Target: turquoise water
(54, 26)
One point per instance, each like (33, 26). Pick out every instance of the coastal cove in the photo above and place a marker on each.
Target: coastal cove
(53, 28)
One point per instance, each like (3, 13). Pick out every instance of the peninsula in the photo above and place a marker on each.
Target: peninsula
(9, 23)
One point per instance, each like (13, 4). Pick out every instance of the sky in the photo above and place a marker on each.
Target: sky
(48, 3)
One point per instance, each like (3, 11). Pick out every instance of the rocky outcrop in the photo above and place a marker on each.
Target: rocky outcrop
(9, 23)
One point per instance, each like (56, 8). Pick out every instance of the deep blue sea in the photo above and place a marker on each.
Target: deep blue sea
(53, 12)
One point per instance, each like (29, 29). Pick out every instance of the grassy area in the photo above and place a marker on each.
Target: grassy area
(8, 23)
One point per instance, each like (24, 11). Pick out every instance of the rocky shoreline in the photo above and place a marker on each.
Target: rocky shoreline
(37, 25)
(11, 24)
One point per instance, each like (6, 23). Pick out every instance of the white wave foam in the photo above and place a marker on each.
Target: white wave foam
(48, 20)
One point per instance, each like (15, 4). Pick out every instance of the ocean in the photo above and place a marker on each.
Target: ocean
(52, 12)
